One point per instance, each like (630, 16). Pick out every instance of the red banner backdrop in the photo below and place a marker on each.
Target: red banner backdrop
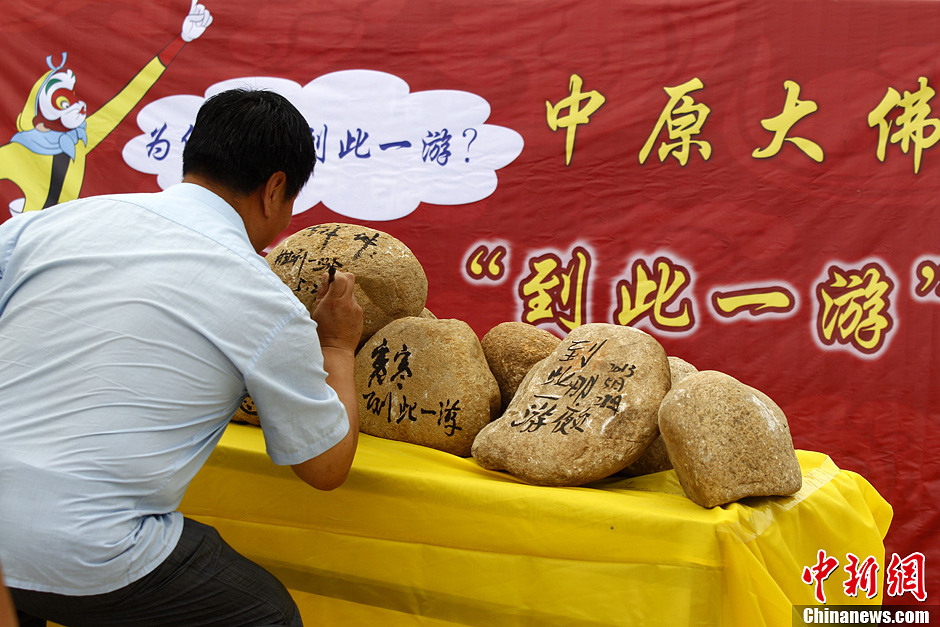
(751, 182)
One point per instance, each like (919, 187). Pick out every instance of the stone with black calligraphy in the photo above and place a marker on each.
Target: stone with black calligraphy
(511, 349)
(656, 457)
(727, 440)
(583, 413)
(390, 282)
(425, 381)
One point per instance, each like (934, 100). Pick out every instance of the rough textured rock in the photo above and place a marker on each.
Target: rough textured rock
(679, 369)
(390, 282)
(247, 413)
(425, 381)
(727, 440)
(511, 349)
(656, 457)
(584, 412)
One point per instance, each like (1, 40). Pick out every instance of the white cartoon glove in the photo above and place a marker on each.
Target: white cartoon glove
(196, 22)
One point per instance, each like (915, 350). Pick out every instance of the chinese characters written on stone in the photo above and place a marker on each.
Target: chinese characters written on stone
(396, 369)
(301, 269)
(567, 399)
(301, 261)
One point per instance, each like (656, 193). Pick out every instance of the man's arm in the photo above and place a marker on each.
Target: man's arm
(339, 326)
(7, 614)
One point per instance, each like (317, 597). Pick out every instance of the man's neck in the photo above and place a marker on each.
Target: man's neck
(248, 206)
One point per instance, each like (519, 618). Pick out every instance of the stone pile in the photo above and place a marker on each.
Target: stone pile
(604, 400)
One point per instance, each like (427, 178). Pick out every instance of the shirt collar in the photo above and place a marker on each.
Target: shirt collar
(191, 191)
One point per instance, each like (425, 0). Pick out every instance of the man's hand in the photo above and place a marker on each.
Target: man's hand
(196, 22)
(338, 315)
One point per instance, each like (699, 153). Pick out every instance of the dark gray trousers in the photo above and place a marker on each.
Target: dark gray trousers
(203, 583)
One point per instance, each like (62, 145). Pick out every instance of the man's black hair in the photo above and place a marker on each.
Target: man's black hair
(241, 137)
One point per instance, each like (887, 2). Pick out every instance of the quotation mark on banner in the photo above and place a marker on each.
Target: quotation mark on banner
(927, 276)
(486, 264)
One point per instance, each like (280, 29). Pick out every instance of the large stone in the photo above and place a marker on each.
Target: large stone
(425, 381)
(584, 412)
(656, 457)
(727, 440)
(511, 349)
(390, 282)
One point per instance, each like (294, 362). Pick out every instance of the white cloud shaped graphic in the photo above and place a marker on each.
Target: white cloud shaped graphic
(382, 150)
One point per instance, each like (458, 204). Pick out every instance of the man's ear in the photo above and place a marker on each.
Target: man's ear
(273, 193)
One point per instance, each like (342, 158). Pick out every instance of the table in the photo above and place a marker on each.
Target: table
(420, 537)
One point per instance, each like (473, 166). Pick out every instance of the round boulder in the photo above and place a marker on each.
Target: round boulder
(584, 412)
(511, 349)
(390, 282)
(727, 440)
(425, 381)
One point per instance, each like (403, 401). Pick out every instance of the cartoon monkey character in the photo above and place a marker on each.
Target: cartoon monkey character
(46, 158)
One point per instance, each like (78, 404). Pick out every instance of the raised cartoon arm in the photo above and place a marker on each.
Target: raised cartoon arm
(106, 119)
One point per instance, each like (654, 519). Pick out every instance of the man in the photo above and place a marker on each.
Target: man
(131, 327)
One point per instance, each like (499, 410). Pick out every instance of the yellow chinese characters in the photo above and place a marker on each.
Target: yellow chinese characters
(853, 308)
(651, 293)
(683, 119)
(555, 293)
(753, 301)
(794, 110)
(576, 113)
(913, 124)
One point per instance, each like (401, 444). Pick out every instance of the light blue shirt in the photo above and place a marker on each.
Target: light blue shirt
(131, 327)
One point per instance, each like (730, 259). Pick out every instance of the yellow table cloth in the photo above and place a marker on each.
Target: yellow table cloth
(420, 537)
